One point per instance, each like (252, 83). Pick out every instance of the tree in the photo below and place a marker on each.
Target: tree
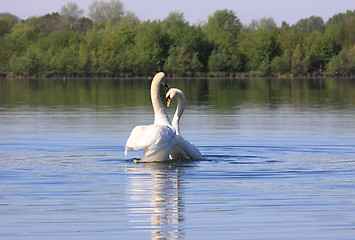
(291, 52)
(253, 25)
(65, 53)
(31, 61)
(114, 52)
(309, 25)
(266, 23)
(284, 26)
(281, 64)
(221, 61)
(223, 28)
(151, 48)
(182, 61)
(70, 18)
(299, 62)
(7, 21)
(188, 48)
(344, 63)
(174, 25)
(341, 29)
(50, 23)
(100, 10)
(259, 48)
(71, 10)
(119, 43)
(21, 36)
(56, 22)
(320, 49)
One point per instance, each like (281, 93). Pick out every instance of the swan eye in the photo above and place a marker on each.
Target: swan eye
(166, 86)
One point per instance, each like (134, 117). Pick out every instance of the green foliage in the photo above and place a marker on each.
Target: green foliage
(151, 48)
(223, 61)
(56, 22)
(7, 21)
(117, 43)
(341, 29)
(281, 64)
(321, 49)
(182, 61)
(344, 63)
(299, 61)
(259, 47)
(222, 29)
(189, 50)
(309, 25)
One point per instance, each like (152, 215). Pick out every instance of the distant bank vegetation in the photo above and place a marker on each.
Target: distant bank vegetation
(114, 42)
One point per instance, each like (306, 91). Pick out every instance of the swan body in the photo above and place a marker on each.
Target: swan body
(157, 139)
(182, 149)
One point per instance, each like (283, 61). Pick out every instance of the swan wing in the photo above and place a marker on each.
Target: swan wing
(139, 138)
(188, 148)
(153, 138)
(178, 153)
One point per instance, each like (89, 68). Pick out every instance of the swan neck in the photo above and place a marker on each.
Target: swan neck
(160, 115)
(178, 113)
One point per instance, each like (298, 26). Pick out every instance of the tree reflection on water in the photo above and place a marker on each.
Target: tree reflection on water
(214, 92)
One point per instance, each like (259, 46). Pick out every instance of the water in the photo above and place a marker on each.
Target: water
(279, 161)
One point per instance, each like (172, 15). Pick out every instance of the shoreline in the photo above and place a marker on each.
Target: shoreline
(210, 75)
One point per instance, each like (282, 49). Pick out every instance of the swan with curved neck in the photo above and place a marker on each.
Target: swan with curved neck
(160, 115)
(179, 95)
(182, 148)
(157, 139)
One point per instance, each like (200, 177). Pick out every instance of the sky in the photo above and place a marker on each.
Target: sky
(196, 11)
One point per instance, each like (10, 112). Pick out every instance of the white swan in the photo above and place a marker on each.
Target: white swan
(159, 138)
(183, 149)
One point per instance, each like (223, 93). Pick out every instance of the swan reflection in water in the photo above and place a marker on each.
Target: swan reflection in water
(155, 189)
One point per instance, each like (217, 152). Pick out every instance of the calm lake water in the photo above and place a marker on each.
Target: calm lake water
(279, 161)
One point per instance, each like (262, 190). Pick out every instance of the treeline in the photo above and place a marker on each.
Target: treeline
(113, 42)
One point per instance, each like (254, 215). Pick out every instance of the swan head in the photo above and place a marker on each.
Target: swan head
(173, 92)
(168, 101)
(160, 78)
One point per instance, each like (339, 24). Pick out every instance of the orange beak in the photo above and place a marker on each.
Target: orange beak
(168, 101)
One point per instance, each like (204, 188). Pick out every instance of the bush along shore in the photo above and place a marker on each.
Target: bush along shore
(118, 44)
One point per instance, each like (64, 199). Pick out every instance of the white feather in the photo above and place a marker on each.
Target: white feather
(183, 149)
(157, 139)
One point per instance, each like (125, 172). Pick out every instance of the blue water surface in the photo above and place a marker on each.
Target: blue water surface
(283, 171)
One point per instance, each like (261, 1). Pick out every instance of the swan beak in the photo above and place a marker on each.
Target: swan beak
(166, 86)
(168, 101)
